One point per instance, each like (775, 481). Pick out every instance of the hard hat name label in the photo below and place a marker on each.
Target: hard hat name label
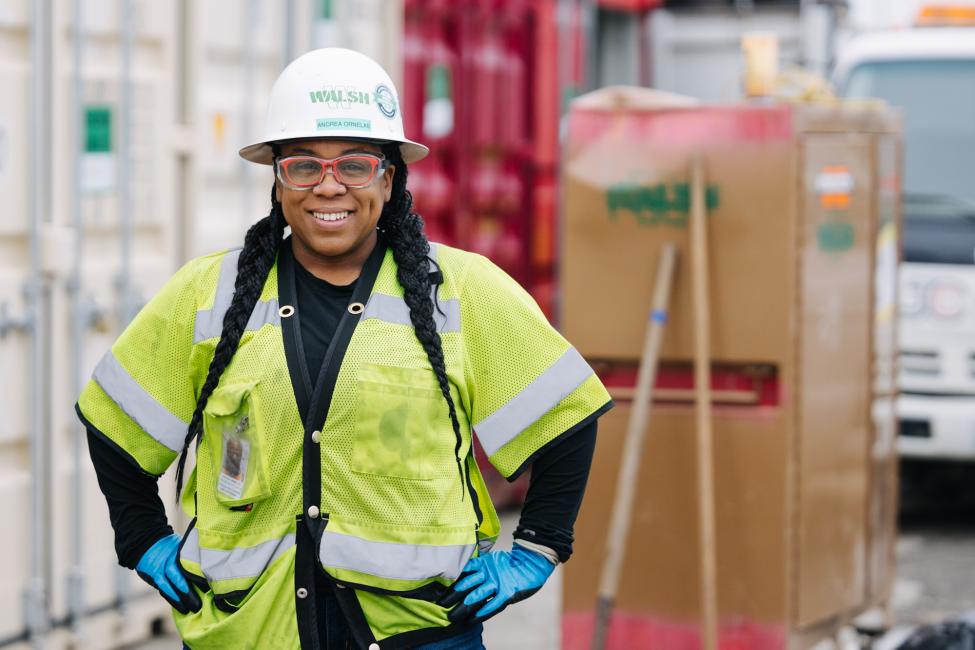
(341, 123)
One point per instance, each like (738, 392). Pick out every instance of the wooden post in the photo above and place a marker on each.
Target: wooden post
(626, 482)
(702, 385)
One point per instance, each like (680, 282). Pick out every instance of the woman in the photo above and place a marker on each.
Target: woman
(329, 382)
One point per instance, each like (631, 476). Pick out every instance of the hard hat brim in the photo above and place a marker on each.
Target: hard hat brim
(260, 152)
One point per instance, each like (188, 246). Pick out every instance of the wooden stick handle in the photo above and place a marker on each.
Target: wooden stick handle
(702, 384)
(633, 448)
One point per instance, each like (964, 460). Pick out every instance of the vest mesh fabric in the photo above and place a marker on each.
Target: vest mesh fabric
(508, 345)
(376, 356)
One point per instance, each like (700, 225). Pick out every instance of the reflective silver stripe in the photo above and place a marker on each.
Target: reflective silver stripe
(247, 562)
(391, 560)
(391, 309)
(265, 312)
(534, 401)
(434, 251)
(191, 547)
(154, 418)
(209, 322)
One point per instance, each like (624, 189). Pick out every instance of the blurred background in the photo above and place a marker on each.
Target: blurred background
(120, 122)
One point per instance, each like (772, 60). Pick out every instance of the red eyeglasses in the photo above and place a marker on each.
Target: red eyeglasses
(353, 170)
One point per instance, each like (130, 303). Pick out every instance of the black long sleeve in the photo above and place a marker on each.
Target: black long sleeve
(137, 513)
(558, 483)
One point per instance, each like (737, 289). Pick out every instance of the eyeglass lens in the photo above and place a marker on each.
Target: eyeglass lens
(351, 170)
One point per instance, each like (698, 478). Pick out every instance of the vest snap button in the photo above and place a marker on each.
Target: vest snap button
(302, 592)
(313, 512)
(316, 436)
(373, 646)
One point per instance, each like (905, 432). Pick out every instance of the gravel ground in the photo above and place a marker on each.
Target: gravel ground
(936, 567)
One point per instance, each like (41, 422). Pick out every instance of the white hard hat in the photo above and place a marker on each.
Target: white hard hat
(333, 93)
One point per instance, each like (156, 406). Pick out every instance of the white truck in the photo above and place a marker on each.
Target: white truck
(928, 71)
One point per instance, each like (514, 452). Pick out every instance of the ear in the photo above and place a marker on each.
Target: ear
(388, 183)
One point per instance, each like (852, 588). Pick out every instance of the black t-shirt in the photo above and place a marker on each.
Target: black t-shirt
(321, 305)
(558, 473)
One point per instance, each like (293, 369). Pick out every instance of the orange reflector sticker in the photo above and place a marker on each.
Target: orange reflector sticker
(834, 186)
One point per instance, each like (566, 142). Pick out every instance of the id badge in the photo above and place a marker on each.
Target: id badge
(233, 471)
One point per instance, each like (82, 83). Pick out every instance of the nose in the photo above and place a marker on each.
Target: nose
(329, 186)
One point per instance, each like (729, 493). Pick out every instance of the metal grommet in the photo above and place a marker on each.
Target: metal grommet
(286, 311)
(302, 592)
(356, 308)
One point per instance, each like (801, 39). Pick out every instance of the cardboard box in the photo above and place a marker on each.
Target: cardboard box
(803, 226)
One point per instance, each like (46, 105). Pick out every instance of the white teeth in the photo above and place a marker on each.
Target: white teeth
(330, 216)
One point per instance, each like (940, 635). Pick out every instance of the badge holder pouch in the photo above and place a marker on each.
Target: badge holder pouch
(232, 425)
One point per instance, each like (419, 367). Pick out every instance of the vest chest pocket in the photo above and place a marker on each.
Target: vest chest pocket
(402, 428)
(232, 425)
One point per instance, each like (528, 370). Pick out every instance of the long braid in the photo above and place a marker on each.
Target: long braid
(403, 231)
(255, 263)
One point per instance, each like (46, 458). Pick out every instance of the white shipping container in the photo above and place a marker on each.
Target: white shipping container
(200, 76)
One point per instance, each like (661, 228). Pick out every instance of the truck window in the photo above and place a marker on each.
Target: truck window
(937, 98)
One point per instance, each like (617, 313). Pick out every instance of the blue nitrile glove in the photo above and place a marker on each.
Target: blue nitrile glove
(159, 566)
(493, 581)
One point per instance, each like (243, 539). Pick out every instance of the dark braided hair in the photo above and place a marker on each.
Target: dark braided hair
(255, 262)
(402, 230)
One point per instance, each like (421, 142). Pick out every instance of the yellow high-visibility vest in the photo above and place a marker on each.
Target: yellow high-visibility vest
(351, 468)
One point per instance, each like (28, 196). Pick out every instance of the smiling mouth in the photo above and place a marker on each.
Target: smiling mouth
(331, 217)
